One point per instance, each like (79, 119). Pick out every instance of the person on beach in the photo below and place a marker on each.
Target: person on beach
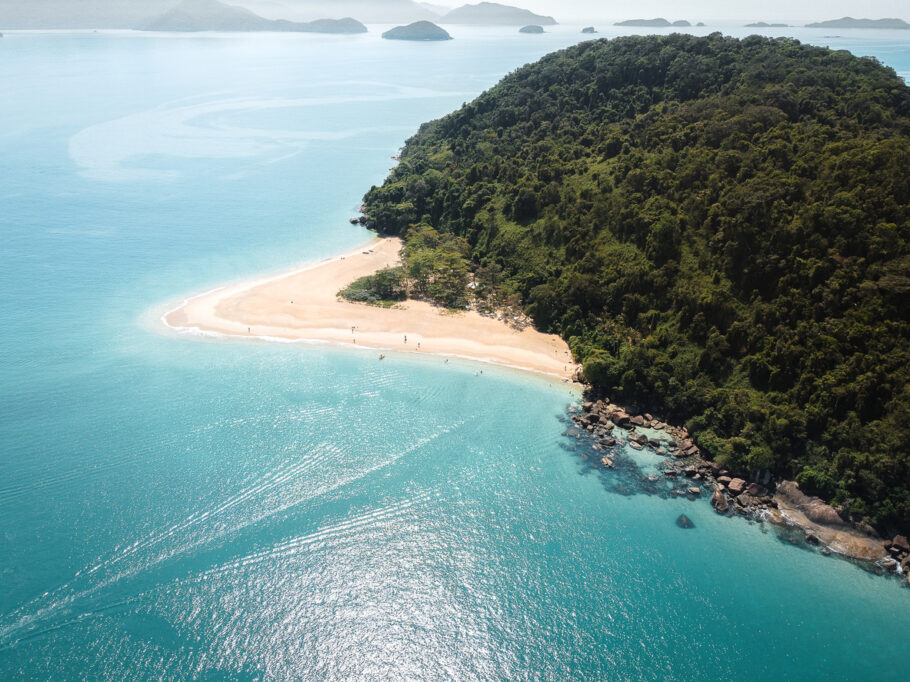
(405, 338)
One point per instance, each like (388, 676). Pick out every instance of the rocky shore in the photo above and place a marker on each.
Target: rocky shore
(756, 495)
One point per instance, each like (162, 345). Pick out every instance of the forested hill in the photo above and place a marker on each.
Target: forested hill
(721, 230)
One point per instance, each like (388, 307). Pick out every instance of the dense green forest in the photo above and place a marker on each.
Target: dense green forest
(720, 229)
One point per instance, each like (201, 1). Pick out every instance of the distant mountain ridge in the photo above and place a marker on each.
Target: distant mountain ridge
(127, 14)
(494, 14)
(850, 22)
(367, 11)
(213, 15)
(66, 14)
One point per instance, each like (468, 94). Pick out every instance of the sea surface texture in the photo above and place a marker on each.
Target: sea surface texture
(175, 507)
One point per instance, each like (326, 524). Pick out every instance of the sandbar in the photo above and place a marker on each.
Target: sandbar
(303, 305)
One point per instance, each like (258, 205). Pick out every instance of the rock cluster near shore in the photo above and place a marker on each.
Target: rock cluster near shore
(752, 494)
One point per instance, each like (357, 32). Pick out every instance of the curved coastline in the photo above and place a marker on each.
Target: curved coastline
(302, 306)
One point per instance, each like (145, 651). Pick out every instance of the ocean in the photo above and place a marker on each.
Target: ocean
(179, 508)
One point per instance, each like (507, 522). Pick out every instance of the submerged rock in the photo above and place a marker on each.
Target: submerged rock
(684, 521)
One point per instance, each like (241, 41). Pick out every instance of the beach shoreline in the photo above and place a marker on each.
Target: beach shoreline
(301, 305)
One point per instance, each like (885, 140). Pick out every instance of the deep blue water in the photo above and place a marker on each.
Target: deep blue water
(171, 508)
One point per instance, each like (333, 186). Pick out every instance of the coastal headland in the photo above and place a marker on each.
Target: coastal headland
(303, 305)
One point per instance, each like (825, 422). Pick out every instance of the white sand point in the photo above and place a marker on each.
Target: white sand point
(303, 305)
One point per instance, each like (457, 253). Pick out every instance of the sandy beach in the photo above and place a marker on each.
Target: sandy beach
(303, 305)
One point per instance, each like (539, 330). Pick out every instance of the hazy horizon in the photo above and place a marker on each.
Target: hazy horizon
(129, 13)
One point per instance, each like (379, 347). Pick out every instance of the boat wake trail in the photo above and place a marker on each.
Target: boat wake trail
(152, 561)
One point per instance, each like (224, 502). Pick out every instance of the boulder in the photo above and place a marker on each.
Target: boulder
(638, 420)
(863, 527)
(746, 500)
(889, 564)
(724, 480)
(814, 509)
(684, 521)
(608, 442)
(736, 485)
(719, 502)
(636, 445)
(694, 490)
(607, 462)
(756, 490)
(901, 543)
(621, 418)
(639, 438)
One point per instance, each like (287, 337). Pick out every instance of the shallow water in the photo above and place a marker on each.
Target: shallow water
(173, 508)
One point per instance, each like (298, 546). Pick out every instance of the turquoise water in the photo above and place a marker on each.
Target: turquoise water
(172, 508)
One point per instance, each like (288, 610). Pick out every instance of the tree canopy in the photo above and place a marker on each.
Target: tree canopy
(719, 228)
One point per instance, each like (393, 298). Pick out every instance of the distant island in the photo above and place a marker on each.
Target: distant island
(653, 23)
(660, 22)
(531, 29)
(763, 24)
(588, 29)
(850, 22)
(212, 15)
(494, 14)
(419, 30)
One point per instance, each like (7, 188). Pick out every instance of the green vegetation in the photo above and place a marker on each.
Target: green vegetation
(434, 268)
(719, 228)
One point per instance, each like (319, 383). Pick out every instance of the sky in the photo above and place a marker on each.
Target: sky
(135, 13)
(707, 10)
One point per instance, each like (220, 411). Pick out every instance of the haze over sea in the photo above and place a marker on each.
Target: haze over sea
(239, 510)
